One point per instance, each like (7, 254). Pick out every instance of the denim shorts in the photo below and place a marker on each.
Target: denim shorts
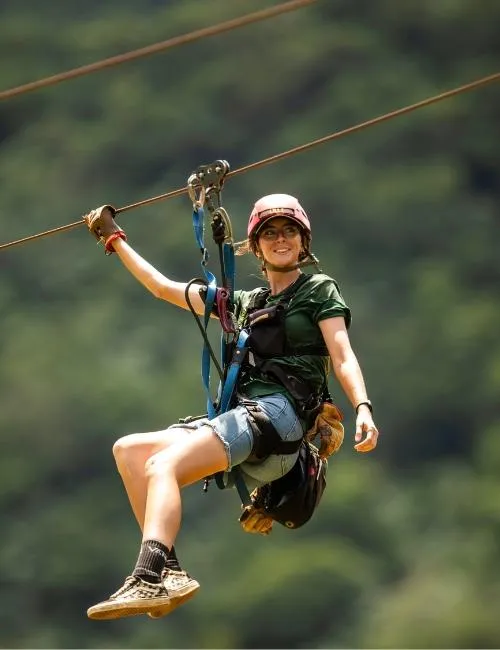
(234, 430)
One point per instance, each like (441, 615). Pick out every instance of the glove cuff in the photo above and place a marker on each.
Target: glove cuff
(119, 234)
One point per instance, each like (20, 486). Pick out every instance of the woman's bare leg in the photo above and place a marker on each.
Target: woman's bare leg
(191, 458)
(187, 459)
(131, 453)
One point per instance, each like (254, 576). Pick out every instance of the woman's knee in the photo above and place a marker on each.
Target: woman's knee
(133, 450)
(123, 455)
(124, 447)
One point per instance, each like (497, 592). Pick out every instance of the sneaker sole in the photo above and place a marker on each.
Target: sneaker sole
(116, 609)
(182, 596)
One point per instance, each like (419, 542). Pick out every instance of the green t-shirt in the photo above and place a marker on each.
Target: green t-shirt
(318, 297)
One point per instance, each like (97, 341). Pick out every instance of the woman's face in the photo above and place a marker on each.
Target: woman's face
(279, 242)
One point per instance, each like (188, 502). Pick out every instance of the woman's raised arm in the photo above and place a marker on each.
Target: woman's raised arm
(102, 225)
(155, 282)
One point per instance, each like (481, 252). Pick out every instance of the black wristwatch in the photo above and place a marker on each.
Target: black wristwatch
(367, 403)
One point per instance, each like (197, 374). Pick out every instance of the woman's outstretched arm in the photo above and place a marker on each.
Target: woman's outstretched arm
(102, 225)
(155, 282)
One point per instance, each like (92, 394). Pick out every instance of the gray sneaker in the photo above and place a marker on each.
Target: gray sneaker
(180, 587)
(136, 596)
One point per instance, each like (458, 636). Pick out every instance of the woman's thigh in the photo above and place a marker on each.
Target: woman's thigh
(136, 448)
(194, 456)
(233, 430)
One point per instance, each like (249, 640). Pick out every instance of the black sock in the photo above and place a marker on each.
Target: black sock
(151, 561)
(172, 561)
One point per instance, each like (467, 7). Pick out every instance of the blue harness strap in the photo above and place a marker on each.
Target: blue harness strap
(233, 372)
(231, 367)
(229, 268)
(211, 283)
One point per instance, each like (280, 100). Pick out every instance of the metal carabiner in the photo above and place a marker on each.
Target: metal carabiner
(194, 186)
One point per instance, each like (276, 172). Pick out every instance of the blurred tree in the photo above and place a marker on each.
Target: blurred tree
(403, 551)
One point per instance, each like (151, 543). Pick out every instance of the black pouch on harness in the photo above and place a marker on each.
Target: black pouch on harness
(267, 331)
(292, 499)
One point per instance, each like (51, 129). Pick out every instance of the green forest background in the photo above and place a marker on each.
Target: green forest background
(404, 551)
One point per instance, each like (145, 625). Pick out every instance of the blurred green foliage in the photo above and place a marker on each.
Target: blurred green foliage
(404, 550)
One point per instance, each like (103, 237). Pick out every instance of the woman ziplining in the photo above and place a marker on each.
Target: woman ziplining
(283, 340)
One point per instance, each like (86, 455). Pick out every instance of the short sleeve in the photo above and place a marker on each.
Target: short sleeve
(327, 300)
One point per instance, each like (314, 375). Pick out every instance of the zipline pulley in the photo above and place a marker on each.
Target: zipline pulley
(208, 181)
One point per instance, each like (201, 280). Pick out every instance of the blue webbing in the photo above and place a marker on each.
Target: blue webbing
(233, 372)
(199, 230)
(226, 386)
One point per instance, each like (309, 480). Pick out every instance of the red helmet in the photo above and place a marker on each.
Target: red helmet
(277, 205)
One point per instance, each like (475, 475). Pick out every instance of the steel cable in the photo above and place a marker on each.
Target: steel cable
(197, 35)
(272, 159)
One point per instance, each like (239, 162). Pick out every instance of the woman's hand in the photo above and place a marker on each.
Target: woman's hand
(103, 226)
(366, 432)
